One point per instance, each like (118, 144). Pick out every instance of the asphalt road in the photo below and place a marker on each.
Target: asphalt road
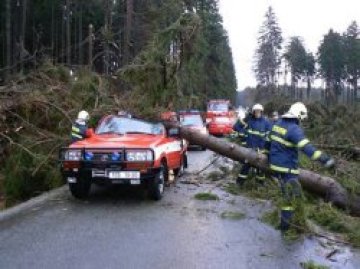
(123, 229)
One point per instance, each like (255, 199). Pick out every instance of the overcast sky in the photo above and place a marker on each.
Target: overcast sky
(310, 19)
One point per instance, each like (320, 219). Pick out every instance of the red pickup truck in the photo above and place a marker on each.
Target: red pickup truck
(124, 151)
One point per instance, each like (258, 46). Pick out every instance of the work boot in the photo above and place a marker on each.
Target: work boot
(240, 180)
(287, 213)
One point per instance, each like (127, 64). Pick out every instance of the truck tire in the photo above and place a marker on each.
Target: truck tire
(156, 189)
(178, 172)
(80, 189)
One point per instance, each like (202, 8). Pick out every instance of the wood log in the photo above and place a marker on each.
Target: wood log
(324, 186)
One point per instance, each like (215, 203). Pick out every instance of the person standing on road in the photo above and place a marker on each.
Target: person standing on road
(79, 129)
(286, 138)
(257, 129)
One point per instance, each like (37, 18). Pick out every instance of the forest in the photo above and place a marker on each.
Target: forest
(152, 45)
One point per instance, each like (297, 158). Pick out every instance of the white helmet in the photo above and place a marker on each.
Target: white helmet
(83, 115)
(257, 107)
(297, 111)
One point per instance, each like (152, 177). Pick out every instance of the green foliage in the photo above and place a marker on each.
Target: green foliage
(233, 215)
(328, 216)
(312, 265)
(206, 196)
(267, 56)
(44, 114)
(22, 183)
(185, 63)
(301, 63)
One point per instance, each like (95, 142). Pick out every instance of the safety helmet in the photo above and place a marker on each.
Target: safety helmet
(297, 111)
(275, 114)
(257, 107)
(83, 115)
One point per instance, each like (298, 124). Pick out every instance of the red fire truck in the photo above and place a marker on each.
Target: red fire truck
(219, 117)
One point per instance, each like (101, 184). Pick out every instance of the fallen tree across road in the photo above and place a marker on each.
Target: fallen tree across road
(326, 187)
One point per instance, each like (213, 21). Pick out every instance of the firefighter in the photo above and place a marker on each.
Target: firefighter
(257, 129)
(286, 139)
(79, 129)
(239, 132)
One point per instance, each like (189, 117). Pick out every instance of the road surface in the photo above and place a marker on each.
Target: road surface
(123, 229)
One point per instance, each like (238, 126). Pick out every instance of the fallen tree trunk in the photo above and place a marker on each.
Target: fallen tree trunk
(326, 187)
(352, 149)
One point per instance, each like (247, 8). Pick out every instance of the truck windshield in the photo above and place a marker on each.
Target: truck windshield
(191, 120)
(221, 107)
(121, 125)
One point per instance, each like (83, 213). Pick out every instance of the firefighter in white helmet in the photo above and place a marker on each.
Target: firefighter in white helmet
(79, 129)
(286, 139)
(257, 128)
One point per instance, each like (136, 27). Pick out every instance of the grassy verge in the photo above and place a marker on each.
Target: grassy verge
(313, 209)
(233, 215)
(313, 265)
(206, 196)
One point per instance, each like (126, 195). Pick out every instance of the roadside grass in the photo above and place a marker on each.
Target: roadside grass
(312, 208)
(214, 176)
(206, 196)
(312, 265)
(233, 215)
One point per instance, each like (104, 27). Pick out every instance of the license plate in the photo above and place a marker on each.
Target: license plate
(124, 175)
(135, 182)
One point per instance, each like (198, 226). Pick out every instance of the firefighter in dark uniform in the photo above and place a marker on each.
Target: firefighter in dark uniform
(286, 139)
(79, 129)
(257, 130)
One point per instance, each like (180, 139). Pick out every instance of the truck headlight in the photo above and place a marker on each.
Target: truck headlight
(73, 155)
(139, 155)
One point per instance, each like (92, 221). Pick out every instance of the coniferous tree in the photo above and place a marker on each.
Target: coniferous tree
(332, 64)
(267, 55)
(352, 56)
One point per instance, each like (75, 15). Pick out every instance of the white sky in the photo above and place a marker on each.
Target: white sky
(310, 19)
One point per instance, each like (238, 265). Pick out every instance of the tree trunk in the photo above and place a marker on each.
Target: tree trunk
(107, 26)
(81, 51)
(128, 30)
(90, 56)
(8, 38)
(22, 36)
(355, 82)
(324, 186)
(68, 33)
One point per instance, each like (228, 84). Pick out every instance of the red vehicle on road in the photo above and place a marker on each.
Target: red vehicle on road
(193, 119)
(124, 151)
(219, 117)
(220, 126)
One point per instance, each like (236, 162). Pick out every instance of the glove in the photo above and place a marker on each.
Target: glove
(330, 163)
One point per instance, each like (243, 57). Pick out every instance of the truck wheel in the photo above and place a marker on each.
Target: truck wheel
(178, 172)
(157, 186)
(80, 189)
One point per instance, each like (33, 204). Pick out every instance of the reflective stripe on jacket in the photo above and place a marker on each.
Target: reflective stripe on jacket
(78, 132)
(286, 138)
(257, 131)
